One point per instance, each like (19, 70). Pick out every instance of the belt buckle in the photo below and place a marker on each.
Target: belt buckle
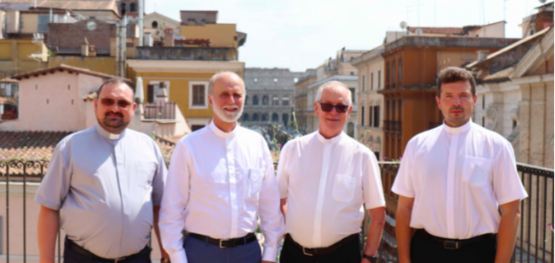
(221, 240)
(119, 259)
(449, 244)
(304, 252)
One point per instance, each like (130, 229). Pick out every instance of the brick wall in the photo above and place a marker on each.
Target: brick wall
(69, 37)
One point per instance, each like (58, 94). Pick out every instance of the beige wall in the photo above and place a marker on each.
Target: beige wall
(104, 15)
(449, 58)
(492, 30)
(29, 23)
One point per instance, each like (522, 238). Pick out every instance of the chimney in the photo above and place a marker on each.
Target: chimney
(482, 55)
(85, 48)
(168, 37)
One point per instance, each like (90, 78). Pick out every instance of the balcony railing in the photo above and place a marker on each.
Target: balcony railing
(161, 111)
(534, 242)
(392, 126)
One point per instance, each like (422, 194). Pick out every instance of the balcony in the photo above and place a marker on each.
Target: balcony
(186, 53)
(18, 213)
(160, 111)
(392, 126)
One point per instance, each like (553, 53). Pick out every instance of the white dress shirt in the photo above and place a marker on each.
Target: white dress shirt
(326, 181)
(218, 184)
(458, 177)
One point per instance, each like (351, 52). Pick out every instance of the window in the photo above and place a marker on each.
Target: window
(255, 117)
(352, 73)
(275, 117)
(247, 100)
(265, 100)
(264, 116)
(275, 101)
(362, 116)
(132, 7)
(154, 24)
(122, 7)
(400, 70)
(387, 74)
(198, 91)
(483, 101)
(372, 81)
(254, 101)
(353, 94)
(379, 79)
(376, 116)
(393, 73)
(245, 117)
(285, 101)
(371, 110)
(352, 58)
(43, 23)
(377, 155)
(363, 82)
(285, 118)
(483, 122)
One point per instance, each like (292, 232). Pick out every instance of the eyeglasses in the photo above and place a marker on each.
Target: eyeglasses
(340, 108)
(110, 102)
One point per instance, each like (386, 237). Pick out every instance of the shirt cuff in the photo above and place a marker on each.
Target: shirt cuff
(270, 254)
(178, 256)
(47, 203)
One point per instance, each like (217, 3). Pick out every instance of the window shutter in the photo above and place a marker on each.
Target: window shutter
(150, 94)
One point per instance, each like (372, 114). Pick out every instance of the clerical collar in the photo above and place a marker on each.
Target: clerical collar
(107, 135)
(330, 140)
(465, 127)
(221, 133)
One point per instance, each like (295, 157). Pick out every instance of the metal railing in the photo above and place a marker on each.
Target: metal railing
(160, 111)
(392, 126)
(534, 242)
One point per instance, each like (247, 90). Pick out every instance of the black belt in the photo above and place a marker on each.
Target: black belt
(226, 243)
(323, 250)
(83, 252)
(453, 244)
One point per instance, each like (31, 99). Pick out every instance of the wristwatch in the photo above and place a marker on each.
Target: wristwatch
(164, 260)
(373, 259)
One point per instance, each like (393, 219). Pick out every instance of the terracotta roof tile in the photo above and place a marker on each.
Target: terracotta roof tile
(68, 68)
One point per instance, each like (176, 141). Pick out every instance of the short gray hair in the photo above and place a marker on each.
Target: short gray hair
(217, 75)
(335, 85)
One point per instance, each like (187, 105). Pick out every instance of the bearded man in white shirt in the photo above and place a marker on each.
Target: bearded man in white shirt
(324, 179)
(452, 182)
(221, 178)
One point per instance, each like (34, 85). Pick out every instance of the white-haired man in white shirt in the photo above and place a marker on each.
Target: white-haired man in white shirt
(324, 179)
(221, 178)
(453, 181)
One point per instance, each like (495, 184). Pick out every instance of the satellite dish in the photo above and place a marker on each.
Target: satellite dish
(419, 31)
(403, 24)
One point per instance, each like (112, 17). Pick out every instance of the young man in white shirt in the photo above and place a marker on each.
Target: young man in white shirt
(452, 182)
(324, 179)
(221, 178)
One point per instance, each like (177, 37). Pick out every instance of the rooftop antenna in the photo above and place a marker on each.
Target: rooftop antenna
(403, 26)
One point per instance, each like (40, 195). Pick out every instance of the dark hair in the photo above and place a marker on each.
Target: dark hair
(455, 74)
(114, 82)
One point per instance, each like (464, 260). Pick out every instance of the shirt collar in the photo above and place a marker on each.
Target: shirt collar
(109, 136)
(465, 127)
(330, 140)
(221, 133)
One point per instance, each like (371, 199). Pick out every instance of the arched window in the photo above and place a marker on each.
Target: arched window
(123, 7)
(275, 117)
(275, 101)
(247, 100)
(255, 100)
(285, 118)
(264, 117)
(265, 100)
(132, 7)
(245, 117)
(154, 24)
(255, 116)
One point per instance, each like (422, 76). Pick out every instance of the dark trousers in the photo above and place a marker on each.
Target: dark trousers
(424, 250)
(71, 256)
(203, 252)
(347, 253)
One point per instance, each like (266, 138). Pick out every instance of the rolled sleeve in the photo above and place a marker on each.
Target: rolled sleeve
(403, 184)
(174, 201)
(271, 220)
(54, 187)
(159, 180)
(506, 181)
(372, 183)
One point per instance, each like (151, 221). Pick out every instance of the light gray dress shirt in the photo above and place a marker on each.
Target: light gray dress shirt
(105, 186)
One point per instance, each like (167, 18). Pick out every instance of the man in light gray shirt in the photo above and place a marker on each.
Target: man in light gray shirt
(104, 185)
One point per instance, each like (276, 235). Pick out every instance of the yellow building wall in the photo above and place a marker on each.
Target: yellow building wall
(14, 56)
(220, 35)
(29, 23)
(105, 65)
(179, 89)
(5, 50)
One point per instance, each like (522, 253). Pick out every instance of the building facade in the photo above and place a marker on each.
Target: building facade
(370, 67)
(270, 96)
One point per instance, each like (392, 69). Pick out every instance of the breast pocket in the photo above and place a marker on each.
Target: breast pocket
(344, 187)
(477, 171)
(254, 182)
(144, 172)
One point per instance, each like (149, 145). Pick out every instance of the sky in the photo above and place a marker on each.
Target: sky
(301, 34)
